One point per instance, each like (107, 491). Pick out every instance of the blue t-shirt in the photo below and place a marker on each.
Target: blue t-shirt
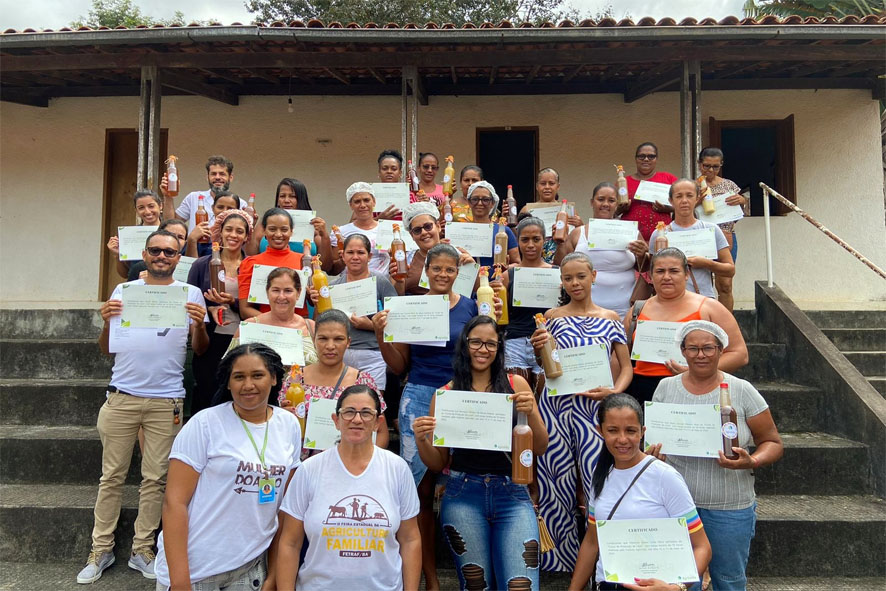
(512, 243)
(293, 246)
(432, 366)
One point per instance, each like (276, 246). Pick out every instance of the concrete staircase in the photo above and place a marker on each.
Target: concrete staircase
(819, 526)
(861, 337)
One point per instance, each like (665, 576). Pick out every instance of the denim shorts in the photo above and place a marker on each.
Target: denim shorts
(414, 402)
(520, 353)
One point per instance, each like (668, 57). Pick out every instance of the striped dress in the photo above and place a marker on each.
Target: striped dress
(573, 441)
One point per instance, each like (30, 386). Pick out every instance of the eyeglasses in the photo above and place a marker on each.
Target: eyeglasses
(646, 156)
(155, 251)
(708, 350)
(349, 414)
(429, 167)
(483, 200)
(423, 228)
(477, 344)
(711, 166)
(436, 269)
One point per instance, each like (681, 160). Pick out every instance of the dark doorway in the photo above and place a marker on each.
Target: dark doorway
(755, 151)
(509, 156)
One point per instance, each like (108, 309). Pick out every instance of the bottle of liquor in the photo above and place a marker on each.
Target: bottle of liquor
(413, 178)
(485, 295)
(171, 177)
(502, 293)
(447, 210)
(339, 239)
(448, 174)
(728, 423)
(512, 207)
(216, 270)
(201, 216)
(661, 238)
(707, 201)
(321, 283)
(398, 251)
(500, 250)
(550, 358)
(295, 394)
(622, 183)
(250, 206)
(561, 229)
(307, 266)
(521, 451)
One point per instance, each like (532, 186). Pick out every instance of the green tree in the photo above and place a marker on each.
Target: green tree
(116, 13)
(818, 8)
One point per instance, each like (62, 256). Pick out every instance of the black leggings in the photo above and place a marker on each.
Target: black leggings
(643, 387)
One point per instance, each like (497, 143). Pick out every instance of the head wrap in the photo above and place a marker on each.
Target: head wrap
(358, 187)
(703, 325)
(413, 210)
(488, 187)
(216, 228)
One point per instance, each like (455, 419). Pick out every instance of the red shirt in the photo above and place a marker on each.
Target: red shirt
(274, 258)
(641, 211)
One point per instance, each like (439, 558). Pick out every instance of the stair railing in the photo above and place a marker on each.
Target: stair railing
(767, 191)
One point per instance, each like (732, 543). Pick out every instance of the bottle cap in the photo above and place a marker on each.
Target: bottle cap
(510, 186)
(724, 385)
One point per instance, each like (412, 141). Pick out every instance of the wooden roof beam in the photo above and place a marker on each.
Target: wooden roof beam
(416, 84)
(492, 72)
(573, 73)
(453, 75)
(377, 76)
(29, 98)
(264, 76)
(533, 73)
(639, 89)
(191, 86)
(224, 76)
(337, 75)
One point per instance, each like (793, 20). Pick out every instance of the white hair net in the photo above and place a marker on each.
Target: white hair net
(413, 210)
(488, 187)
(358, 187)
(705, 326)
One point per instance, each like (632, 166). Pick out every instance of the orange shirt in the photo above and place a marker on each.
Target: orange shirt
(273, 258)
(649, 369)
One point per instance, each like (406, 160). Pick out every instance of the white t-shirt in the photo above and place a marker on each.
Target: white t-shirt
(702, 276)
(154, 373)
(227, 527)
(351, 522)
(379, 260)
(188, 207)
(660, 492)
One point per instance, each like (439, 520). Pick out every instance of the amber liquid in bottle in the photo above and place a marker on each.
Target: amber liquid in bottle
(216, 270)
(485, 295)
(200, 217)
(502, 293)
(295, 394)
(550, 359)
(728, 423)
(171, 177)
(448, 174)
(561, 229)
(250, 206)
(521, 451)
(622, 184)
(661, 240)
(398, 251)
(321, 283)
(500, 252)
(512, 207)
(339, 239)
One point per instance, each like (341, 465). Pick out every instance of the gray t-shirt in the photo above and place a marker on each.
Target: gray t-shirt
(365, 339)
(712, 486)
(702, 276)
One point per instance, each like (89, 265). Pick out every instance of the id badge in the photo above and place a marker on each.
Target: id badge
(267, 491)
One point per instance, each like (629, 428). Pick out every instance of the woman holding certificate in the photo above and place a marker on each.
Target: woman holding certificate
(708, 251)
(484, 201)
(488, 520)
(429, 368)
(628, 484)
(723, 488)
(461, 209)
(649, 207)
(420, 220)
(673, 304)
(571, 418)
(149, 209)
(362, 203)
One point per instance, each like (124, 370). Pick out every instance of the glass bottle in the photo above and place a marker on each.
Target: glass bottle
(320, 281)
(295, 394)
(502, 293)
(512, 207)
(485, 295)
(622, 183)
(661, 238)
(521, 451)
(216, 270)
(171, 177)
(550, 358)
(500, 251)
(200, 217)
(448, 176)
(561, 229)
(728, 423)
(707, 201)
(250, 206)
(398, 251)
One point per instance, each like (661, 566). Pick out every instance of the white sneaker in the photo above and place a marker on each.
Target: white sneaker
(95, 566)
(143, 562)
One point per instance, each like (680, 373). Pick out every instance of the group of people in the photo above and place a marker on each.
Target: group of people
(359, 516)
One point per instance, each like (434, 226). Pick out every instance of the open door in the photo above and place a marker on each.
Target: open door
(509, 156)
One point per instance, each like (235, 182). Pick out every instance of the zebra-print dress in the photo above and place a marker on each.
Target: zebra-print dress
(573, 441)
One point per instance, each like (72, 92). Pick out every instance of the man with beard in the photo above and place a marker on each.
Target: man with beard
(146, 391)
(219, 175)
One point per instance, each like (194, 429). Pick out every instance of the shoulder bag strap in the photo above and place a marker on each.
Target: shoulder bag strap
(344, 372)
(621, 498)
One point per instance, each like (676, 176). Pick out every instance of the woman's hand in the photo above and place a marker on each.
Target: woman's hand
(201, 230)
(114, 245)
(575, 220)
(217, 314)
(650, 585)
(463, 257)
(736, 199)
(111, 308)
(423, 427)
(313, 295)
(319, 226)
(219, 297)
(389, 213)
(505, 210)
(539, 338)
(361, 322)
(164, 185)
(597, 393)
(660, 207)
(655, 451)
(675, 367)
(287, 404)
(622, 208)
(498, 307)
(699, 263)
(744, 461)
(380, 321)
(638, 248)
(524, 402)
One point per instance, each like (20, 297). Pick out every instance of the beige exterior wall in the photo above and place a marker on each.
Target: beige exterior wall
(52, 165)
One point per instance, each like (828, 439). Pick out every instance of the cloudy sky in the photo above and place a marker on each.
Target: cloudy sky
(54, 14)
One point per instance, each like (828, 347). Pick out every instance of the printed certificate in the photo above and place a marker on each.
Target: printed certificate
(646, 549)
(417, 319)
(154, 306)
(476, 239)
(301, 225)
(473, 420)
(359, 298)
(548, 215)
(695, 243)
(722, 212)
(464, 281)
(387, 194)
(684, 429)
(385, 234)
(136, 339)
(258, 293)
(584, 368)
(320, 431)
(655, 342)
(651, 191)
(287, 342)
(183, 268)
(611, 234)
(536, 288)
(132, 241)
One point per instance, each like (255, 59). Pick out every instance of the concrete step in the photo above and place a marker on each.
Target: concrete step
(847, 318)
(878, 382)
(55, 455)
(869, 363)
(858, 339)
(53, 359)
(793, 407)
(51, 402)
(831, 536)
(747, 322)
(766, 361)
(50, 324)
(817, 464)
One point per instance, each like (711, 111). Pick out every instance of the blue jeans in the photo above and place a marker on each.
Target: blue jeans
(734, 250)
(492, 531)
(730, 534)
(415, 401)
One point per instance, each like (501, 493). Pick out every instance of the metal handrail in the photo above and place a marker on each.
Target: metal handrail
(767, 190)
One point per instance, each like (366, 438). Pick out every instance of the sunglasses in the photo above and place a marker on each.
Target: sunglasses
(711, 166)
(646, 156)
(429, 167)
(423, 228)
(483, 200)
(156, 251)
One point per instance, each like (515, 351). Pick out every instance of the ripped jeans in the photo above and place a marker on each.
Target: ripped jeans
(492, 531)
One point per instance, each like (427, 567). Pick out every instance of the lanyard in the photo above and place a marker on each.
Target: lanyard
(261, 454)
